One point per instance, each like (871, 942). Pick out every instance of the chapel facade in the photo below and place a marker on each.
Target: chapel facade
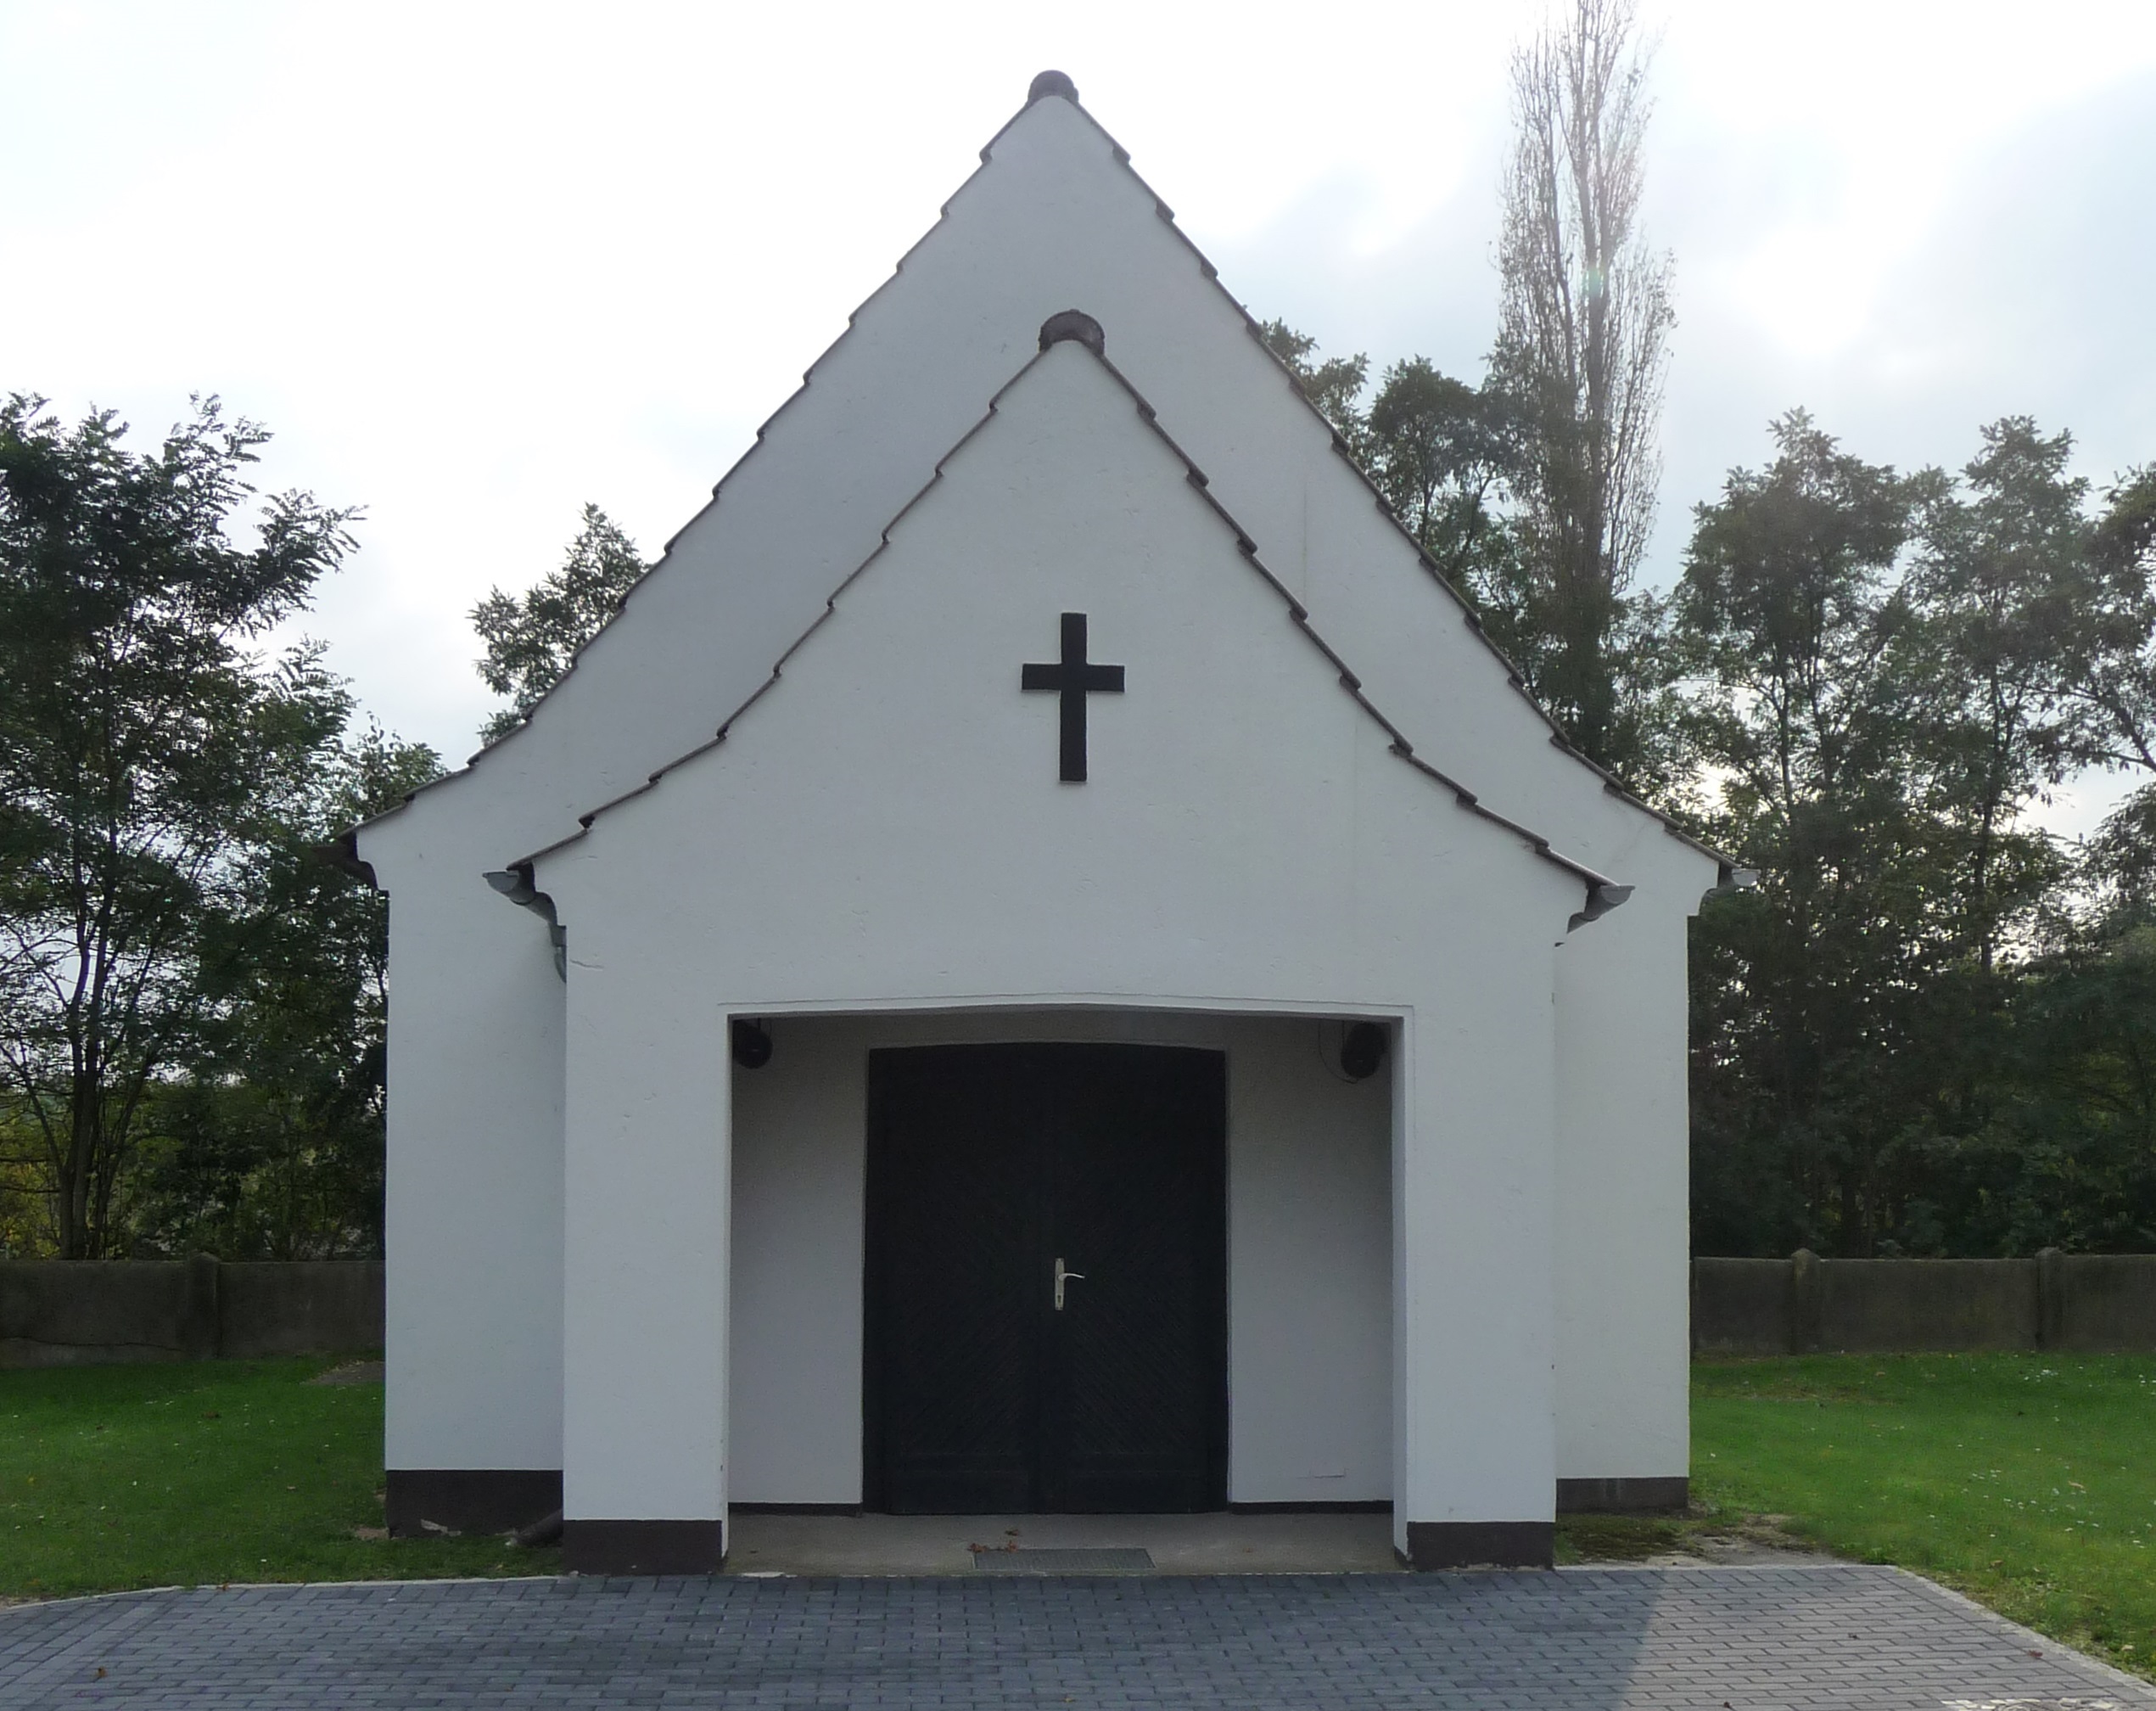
(1041, 962)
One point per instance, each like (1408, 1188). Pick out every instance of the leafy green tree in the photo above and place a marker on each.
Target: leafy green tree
(271, 1148)
(1447, 456)
(1583, 347)
(1453, 460)
(2008, 615)
(2117, 684)
(1916, 1035)
(146, 743)
(2014, 617)
(2067, 1153)
(1805, 989)
(532, 638)
(1334, 384)
(2125, 537)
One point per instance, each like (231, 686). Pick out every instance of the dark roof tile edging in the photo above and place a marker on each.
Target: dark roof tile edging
(1603, 892)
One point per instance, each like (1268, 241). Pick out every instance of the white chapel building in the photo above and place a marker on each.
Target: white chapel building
(1040, 963)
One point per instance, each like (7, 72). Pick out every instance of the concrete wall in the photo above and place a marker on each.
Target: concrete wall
(1741, 1307)
(2109, 1301)
(1303, 1212)
(1310, 1310)
(1802, 1305)
(56, 1314)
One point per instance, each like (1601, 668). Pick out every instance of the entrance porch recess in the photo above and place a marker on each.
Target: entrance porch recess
(1079, 1262)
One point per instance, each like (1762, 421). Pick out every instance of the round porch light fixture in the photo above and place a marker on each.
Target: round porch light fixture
(1362, 1050)
(752, 1044)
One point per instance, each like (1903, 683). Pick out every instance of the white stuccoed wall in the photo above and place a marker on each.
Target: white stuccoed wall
(1052, 221)
(472, 1311)
(1309, 1269)
(648, 1175)
(884, 828)
(1309, 1248)
(1623, 1212)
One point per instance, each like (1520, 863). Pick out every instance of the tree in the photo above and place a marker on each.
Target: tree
(2117, 685)
(532, 639)
(1446, 456)
(271, 1147)
(1452, 461)
(2015, 619)
(2067, 1153)
(1917, 1035)
(1449, 458)
(1334, 384)
(144, 745)
(2125, 539)
(1807, 990)
(2069, 1158)
(1583, 347)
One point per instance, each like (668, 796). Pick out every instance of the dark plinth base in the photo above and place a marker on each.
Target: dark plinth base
(1373, 1505)
(795, 1509)
(643, 1547)
(1481, 1544)
(470, 1499)
(1669, 1495)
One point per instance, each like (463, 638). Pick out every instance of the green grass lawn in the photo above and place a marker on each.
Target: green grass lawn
(203, 1473)
(2027, 1481)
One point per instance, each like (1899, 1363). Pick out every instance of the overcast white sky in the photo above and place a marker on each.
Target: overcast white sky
(477, 265)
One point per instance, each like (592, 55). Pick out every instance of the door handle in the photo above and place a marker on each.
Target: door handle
(1063, 1276)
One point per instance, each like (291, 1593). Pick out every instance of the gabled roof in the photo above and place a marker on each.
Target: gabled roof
(1055, 85)
(1603, 892)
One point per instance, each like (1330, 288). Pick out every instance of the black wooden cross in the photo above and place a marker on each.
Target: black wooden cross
(1073, 678)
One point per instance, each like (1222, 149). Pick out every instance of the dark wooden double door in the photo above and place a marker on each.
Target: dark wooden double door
(992, 1171)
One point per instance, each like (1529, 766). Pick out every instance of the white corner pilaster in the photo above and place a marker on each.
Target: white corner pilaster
(648, 1265)
(1473, 1306)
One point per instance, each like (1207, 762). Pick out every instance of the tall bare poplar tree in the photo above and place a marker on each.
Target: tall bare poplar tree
(1582, 345)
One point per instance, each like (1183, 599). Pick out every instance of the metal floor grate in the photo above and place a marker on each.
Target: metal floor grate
(1085, 1560)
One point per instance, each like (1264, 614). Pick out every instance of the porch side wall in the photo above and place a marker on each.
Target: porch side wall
(473, 1207)
(1622, 1210)
(1473, 1199)
(645, 1322)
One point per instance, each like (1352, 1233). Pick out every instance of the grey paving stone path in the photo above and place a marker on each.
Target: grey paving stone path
(1838, 1635)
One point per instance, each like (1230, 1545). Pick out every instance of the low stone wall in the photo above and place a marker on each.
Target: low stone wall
(2087, 1302)
(57, 1313)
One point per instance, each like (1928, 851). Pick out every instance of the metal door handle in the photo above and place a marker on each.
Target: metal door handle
(1062, 1278)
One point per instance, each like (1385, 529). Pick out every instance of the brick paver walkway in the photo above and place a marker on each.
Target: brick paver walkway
(1835, 1634)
